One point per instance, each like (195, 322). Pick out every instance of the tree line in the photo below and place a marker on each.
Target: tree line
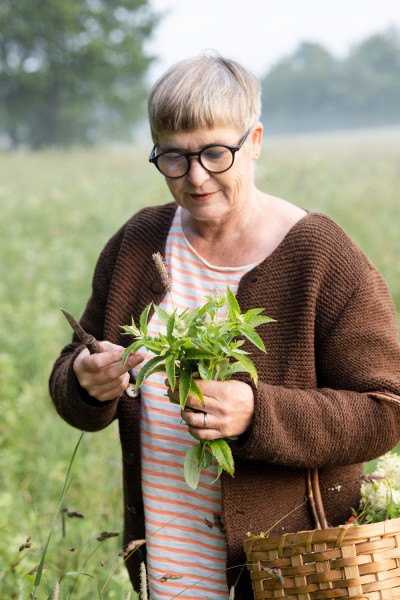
(74, 71)
(312, 90)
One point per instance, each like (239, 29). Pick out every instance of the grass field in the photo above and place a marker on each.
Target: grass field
(57, 211)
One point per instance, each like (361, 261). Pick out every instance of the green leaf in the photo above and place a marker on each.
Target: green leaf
(206, 370)
(153, 345)
(233, 305)
(132, 348)
(145, 370)
(185, 382)
(144, 317)
(161, 314)
(131, 329)
(234, 367)
(207, 457)
(196, 391)
(252, 336)
(253, 318)
(170, 327)
(192, 465)
(223, 454)
(248, 365)
(170, 370)
(67, 483)
(198, 353)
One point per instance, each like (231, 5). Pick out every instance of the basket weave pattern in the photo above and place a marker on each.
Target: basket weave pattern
(348, 561)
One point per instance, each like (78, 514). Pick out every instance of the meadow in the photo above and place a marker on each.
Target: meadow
(57, 210)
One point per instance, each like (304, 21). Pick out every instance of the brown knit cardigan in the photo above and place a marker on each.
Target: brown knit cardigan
(323, 399)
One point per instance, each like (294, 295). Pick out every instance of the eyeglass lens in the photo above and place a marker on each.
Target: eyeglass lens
(215, 159)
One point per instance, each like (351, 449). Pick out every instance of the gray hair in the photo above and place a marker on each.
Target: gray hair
(204, 92)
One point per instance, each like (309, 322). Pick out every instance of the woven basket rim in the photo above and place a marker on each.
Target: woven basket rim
(342, 535)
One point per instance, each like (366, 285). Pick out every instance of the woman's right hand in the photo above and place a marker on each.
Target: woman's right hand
(103, 375)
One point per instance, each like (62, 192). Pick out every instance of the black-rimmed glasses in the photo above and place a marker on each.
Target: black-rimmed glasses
(215, 158)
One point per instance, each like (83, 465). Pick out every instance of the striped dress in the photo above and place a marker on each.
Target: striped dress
(186, 547)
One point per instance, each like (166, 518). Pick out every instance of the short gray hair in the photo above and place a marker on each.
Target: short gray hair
(204, 92)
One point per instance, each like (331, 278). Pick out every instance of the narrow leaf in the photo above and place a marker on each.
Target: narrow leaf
(67, 483)
(223, 454)
(144, 317)
(161, 314)
(252, 336)
(206, 370)
(233, 305)
(170, 370)
(207, 457)
(235, 367)
(196, 391)
(192, 466)
(256, 320)
(248, 365)
(145, 370)
(198, 353)
(170, 327)
(132, 348)
(185, 380)
(130, 329)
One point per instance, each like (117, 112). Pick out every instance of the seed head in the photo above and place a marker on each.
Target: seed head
(143, 582)
(56, 591)
(162, 269)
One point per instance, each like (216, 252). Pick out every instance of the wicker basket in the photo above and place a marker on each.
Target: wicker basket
(348, 561)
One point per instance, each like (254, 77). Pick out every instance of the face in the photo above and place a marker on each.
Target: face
(214, 196)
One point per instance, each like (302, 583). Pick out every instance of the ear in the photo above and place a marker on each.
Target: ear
(256, 139)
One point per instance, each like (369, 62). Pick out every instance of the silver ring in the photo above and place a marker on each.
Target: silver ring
(205, 421)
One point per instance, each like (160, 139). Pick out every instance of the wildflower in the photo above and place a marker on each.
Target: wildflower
(380, 492)
(388, 467)
(163, 272)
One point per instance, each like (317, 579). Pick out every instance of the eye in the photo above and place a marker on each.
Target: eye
(215, 153)
(171, 158)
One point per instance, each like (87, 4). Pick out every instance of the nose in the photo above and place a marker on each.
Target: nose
(197, 174)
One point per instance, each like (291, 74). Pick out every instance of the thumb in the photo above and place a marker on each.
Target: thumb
(133, 361)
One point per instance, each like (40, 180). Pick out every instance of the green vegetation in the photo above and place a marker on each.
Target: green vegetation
(73, 70)
(58, 210)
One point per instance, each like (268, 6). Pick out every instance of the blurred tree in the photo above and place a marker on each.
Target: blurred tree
(312, 90)
(372, 72)
(301, 86)
(72, 70)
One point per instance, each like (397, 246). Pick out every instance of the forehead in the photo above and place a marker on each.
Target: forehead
(198, 138)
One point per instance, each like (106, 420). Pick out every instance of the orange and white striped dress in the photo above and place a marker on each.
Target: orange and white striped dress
(186, 547)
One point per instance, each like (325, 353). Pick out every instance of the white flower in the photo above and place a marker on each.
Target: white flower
(388, 467)
(377, 495)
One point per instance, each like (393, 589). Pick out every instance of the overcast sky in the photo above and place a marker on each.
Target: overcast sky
(257, 33)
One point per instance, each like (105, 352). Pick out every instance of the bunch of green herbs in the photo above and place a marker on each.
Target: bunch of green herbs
(199, 344)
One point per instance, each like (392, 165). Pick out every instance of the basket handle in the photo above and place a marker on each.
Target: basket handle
(315, 499)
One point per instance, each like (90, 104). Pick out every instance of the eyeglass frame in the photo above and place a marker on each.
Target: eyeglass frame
(153, 158)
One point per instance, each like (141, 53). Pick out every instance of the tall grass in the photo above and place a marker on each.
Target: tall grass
(57, 211)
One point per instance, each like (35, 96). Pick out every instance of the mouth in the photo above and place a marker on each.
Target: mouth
(202, 197)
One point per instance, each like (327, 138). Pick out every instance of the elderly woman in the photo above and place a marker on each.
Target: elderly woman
(327, 388)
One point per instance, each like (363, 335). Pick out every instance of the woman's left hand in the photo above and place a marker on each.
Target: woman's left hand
(228, 409)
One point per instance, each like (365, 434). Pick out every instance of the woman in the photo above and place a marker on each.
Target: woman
(327, 388)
